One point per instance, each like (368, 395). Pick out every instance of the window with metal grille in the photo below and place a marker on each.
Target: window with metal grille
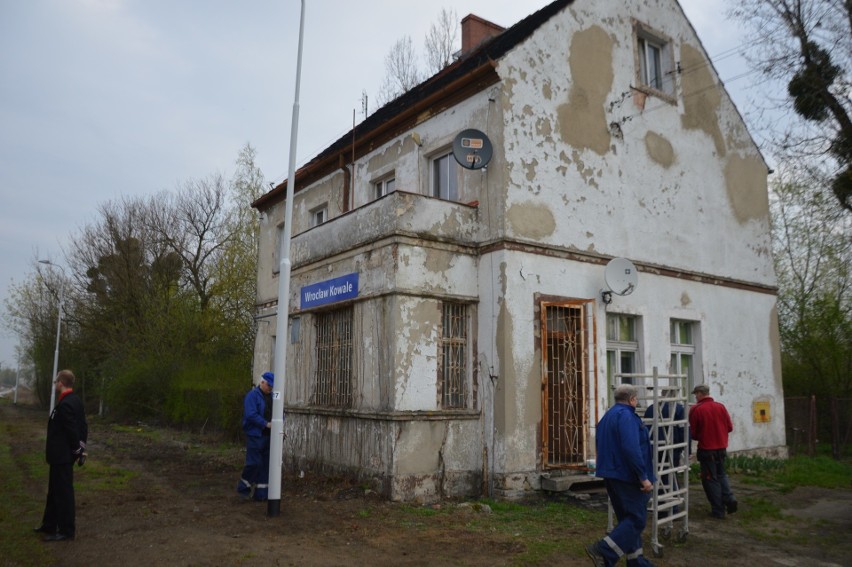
(452, 367)
(684, 341)
(622, 347)
(334, 358)
(566, 344)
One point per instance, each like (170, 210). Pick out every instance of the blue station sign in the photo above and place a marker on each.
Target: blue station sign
(329, 291)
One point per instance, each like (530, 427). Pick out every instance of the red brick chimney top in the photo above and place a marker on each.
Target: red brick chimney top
(475, 30)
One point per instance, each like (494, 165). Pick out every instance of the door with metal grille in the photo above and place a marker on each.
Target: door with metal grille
(566, 373)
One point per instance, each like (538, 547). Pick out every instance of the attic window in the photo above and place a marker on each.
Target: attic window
(654, 59)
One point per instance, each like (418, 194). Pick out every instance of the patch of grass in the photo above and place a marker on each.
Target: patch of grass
(152, 433)
(764, 520)
(820, 471)
(18, 546)
(96, 476)
(541, 530)
(759, 510)
(35, 464)
(363, 513)
(422, 511)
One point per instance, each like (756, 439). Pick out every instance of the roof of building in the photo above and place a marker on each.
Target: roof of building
(471, 73)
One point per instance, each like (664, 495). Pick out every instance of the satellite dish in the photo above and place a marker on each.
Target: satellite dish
(472, 149)
(621, 276)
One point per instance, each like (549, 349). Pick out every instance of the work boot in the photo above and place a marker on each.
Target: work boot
(595, 555)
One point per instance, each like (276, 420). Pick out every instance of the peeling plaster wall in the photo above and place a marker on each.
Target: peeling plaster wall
(739, 358)
(582, 163)
(625, 175)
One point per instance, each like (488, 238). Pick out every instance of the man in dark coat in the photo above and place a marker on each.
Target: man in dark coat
(67, 432)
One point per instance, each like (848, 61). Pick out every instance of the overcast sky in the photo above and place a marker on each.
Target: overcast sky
(107, 98)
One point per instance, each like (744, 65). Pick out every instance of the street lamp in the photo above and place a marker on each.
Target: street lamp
(58, 329)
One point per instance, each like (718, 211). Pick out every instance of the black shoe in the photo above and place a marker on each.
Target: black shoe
(58, 537)
(595, 555)
(44, 530)
(731, 506)
(717, 515)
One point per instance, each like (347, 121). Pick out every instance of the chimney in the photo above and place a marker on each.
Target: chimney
(475, 30)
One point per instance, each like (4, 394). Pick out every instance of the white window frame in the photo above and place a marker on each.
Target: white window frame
(653, 50)
(683, 349)
(617, 346)
(384, 187)
(319, 215)
(439, 162)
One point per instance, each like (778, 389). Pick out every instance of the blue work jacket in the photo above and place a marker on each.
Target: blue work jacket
(254, 408)
(623, 446)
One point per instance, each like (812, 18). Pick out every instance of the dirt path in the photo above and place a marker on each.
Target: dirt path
(177, 506)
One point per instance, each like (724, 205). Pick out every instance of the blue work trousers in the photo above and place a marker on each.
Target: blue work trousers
(256, 472)
(630, 505)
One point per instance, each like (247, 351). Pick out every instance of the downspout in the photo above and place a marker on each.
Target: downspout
(347, 184)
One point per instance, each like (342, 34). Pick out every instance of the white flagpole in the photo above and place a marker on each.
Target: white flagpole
(276, 449)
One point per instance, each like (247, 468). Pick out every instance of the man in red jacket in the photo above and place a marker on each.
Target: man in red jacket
(709, 424)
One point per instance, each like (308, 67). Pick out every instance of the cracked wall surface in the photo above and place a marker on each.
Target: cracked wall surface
(586, 167)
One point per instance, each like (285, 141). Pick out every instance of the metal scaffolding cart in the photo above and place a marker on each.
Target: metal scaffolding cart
(669, 433)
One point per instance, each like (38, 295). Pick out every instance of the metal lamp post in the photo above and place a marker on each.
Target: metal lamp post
(276, 450)
(58, 330)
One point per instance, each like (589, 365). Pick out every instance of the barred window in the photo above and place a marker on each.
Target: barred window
(452, 367)
(334, 358)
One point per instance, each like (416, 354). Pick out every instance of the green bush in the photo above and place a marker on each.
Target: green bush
(209, 396)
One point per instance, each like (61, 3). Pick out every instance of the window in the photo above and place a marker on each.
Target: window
(319, 215)
(334, 358)
(684, 352)
(279, 234)
(384, 187)
(655, 67)
(650, 67)
(445, 179)
(452, 365)
(622, 347)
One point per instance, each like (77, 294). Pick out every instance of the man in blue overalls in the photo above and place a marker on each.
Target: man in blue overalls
(257, 424)
(625, 462)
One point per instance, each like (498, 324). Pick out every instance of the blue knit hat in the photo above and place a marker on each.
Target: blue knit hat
(269, 377)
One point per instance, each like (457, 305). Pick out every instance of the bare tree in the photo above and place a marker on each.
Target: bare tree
(193, 225)
(441, 41)
(807, 45)
(812, 245)
(401, 71)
